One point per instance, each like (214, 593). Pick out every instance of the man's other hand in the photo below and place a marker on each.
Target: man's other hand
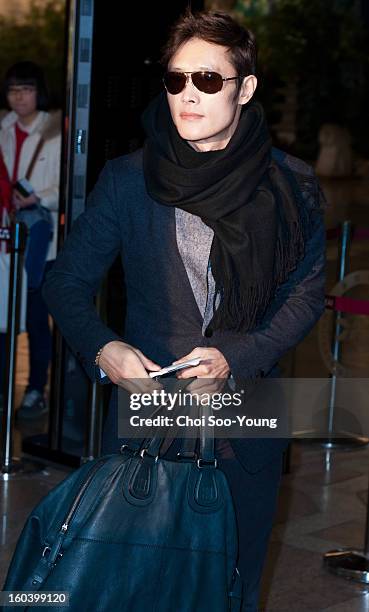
(213, 370)
(213, 364)
(126, 366)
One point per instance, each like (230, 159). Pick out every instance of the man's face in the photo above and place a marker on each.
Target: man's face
(206, 121)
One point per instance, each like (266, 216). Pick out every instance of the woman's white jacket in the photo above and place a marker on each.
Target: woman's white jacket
(46, 171)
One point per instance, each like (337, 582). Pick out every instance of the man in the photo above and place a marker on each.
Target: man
(222, 243)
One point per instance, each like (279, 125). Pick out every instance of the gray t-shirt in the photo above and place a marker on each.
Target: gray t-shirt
(194, 239)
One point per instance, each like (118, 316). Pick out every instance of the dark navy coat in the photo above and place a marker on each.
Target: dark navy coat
(163, 319)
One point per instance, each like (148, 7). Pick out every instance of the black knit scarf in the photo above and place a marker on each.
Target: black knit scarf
(259, 225)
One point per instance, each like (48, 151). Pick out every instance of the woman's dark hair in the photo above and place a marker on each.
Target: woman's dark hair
(218, 28)
(28, 73)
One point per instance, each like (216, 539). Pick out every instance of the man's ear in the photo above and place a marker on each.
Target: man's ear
(247, 90)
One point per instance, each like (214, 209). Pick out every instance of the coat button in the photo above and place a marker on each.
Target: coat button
(208, 332)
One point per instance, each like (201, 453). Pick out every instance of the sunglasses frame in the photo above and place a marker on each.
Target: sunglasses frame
(188, 75)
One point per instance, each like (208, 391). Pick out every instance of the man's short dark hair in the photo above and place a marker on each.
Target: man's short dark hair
(218, 28)
(28, 73)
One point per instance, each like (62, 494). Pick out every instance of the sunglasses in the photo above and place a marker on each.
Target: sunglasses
(207, 82)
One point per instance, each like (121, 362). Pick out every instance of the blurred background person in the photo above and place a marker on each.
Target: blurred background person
(30, 145)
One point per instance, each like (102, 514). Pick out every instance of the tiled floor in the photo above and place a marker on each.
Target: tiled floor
(322, 503)
(322, 507)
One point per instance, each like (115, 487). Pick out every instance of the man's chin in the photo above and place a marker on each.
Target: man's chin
(189, 133)
(189, 130)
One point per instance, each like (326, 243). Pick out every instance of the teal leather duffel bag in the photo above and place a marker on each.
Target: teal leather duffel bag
(133, 532)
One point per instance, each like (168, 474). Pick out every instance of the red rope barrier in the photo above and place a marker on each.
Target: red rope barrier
(345, 304)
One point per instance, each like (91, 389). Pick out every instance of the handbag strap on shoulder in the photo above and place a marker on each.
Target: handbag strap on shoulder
(35, 155)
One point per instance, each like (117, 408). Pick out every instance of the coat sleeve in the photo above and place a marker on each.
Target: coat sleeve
(74, 280)
(297, 306)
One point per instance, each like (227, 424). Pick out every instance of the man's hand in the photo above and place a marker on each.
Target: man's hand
(20, 201)
(213, 368)
(126, 366)
(213, 364)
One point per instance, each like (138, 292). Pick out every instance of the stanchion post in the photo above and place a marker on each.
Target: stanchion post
(350, 563)
(92, 429)
(93, 436)
(345, 441)
(366, 541)
(12, 467)
(343, 267)
(18, 245)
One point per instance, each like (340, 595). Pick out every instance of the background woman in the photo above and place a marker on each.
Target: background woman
(30, 142)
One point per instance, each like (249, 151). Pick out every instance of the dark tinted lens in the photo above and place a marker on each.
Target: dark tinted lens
(208, 82)
(174, 82)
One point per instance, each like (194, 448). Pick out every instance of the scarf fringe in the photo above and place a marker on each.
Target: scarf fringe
(243, 308)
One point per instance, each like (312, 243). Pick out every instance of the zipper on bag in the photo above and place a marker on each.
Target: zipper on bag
(52, 553)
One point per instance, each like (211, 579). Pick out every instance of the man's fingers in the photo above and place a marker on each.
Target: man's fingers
(196, 352)
(203, 370)
(182, 359)
(139, 363)
(148, 363)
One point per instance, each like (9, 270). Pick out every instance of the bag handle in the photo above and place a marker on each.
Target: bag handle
(152, 445)
(206, 435)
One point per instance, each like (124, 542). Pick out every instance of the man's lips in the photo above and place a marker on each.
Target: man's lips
(190, 116)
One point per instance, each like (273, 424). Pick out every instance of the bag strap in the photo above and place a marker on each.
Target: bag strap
(188, 448)
(206, 436)
(152, 445)
(35, 155)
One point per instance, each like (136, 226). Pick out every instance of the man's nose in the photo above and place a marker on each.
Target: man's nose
(189, 91)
